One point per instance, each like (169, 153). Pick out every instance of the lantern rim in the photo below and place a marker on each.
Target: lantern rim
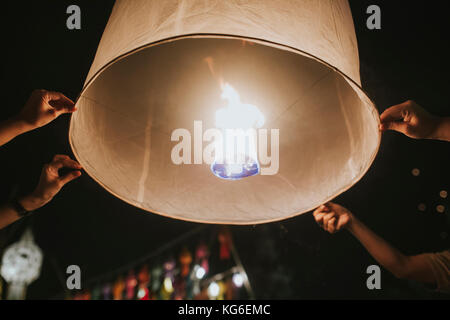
(356, 86)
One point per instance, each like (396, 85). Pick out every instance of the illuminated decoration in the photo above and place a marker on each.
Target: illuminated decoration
(216, 290)
(96, 293)
(166, 282)
(224, 238)
(238, 280)
(185, 261)
(156, 278)
(168, 285)
(179, 286)
(107, 291)
(193, 285)
(202, 255)
(199, 272)
(169, 278)
(213, 290)
(21, 265)
(131, 283)
(142, 294)
(144, 280)
(118, 288)
(164, 66)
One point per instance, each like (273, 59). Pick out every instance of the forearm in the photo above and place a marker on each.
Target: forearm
(442, 131)
(386, 255)
(11, 128)
(9, 214)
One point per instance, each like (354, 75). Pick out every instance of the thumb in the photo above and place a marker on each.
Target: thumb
(59, 110)
(62, 106)
(398, 126)
(342, 222)
(70, 176)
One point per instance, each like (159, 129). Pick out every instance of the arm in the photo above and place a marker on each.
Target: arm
(50, 183)
(412, 120)
(443, 130)
(41, 108)
(11, 128)
(400, 265)
(333, 218)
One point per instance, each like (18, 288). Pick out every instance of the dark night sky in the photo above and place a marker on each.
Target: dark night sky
(85, 225)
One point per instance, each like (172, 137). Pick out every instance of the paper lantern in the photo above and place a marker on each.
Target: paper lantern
(173, 69)
(21, 265)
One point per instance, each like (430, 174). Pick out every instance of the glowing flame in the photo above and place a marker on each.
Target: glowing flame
(241, 118)
(237, 115)
(239, 121)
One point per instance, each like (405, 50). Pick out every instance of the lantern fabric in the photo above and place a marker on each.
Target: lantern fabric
(158, 68)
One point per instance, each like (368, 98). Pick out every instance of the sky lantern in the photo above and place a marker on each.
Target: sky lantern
(233, 112)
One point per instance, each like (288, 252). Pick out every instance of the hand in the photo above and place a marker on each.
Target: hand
(50, 182)
(333, 217)
(43, 107)
(410, 119)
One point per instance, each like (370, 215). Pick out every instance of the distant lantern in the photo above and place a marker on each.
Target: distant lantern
(173, 80)
(422, 207)
(440, 208)
(21, 265)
